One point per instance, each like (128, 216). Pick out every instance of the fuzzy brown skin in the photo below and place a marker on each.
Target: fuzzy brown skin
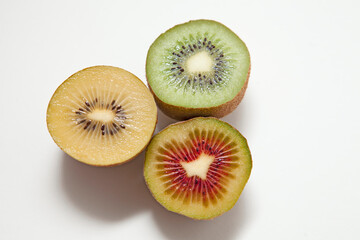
(183, 113)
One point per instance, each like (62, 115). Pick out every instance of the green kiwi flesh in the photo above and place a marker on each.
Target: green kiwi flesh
(200, 64)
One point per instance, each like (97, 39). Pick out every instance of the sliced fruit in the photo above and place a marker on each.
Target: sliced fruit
(102, 116)
(198, 168)
(199, 68)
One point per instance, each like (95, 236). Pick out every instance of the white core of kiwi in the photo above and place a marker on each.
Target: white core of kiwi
(101, 115)
(200, 62)
(198, 167)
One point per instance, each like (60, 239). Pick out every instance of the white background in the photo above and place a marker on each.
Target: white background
(300, 114)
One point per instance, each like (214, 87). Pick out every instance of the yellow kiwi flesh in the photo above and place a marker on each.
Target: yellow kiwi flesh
(102, 116)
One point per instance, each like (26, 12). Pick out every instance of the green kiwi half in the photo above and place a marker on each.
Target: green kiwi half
(199, 68)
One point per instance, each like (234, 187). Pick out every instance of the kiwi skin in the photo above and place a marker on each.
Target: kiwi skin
(86, 163)
(227, 208)
(184, 113)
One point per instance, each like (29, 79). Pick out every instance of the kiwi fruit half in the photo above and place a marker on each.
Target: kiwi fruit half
(102, 116)
(198, 168)
(199, 68)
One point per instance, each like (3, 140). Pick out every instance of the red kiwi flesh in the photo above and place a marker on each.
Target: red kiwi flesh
(198, 168)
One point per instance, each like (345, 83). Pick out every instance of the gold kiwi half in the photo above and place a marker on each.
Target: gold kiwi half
(102, 116)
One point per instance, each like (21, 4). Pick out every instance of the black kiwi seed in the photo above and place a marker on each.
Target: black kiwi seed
(87, 124)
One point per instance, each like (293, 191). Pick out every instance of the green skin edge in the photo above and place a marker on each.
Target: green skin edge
(158, 138)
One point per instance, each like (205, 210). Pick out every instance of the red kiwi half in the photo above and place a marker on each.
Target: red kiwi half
(198, 168)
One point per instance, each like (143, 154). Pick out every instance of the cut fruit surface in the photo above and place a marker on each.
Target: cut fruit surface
(198, 168)
(102, 116)
(199, 68)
